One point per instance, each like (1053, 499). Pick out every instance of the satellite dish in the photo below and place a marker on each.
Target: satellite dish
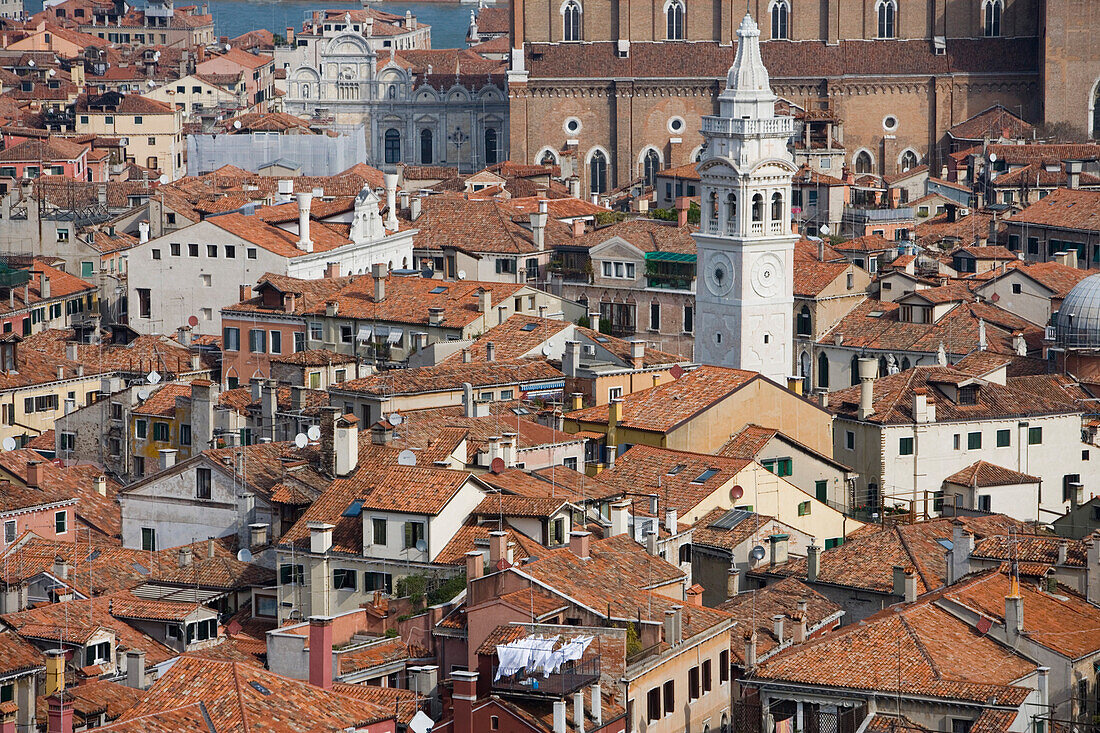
(406, 458)
(395, 419)
(163, 181)
(236, 124)
(497, 466)
(31, 63)
(824, 229)
(676, 371)
(51, 72)
(461, 274)
(546, 349)
(149, 83)
(156, 56)
(193, 321)
(421, 545)
(227, 47)
(9, 443)
(503, 564)
(301, 440)
(314, 433)
(153, 377)
(736, 493)
(421, 723)
(758, 553)
(992, 157)
(244, 554)
(143, 394)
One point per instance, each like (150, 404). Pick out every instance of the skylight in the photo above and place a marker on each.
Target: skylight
(705, 475)
(529, 327)
(438, 289)
(676, 469)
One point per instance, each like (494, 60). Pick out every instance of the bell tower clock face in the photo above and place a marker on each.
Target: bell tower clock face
(719, 274)
(767, 276)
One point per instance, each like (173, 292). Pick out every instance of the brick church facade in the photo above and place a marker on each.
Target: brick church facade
(605, 87)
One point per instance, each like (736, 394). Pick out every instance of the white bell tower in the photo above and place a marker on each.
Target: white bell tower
(745, 279)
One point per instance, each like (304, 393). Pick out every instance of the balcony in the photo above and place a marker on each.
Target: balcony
(777, 126)
(573, 676)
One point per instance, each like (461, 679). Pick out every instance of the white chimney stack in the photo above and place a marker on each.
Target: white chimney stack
(868, 369)
(390, 180)
(143, 232)
(305, 200)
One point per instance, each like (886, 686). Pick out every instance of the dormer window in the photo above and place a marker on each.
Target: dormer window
(968, 395)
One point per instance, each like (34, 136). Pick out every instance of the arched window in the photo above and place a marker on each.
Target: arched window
(712, 210)
(992, 10)
(887, 18)
(731, 213)
(855, 369)
(802, 326)
(905, 363)
(393, 146)
(651, 165)
(863, 162)
(823, 370)
(597, 172)
(491, 153)
(548, 158)
(781, 14)
(674, 20)
(758, 208)
(882, 366)
(725, 723)
(391, 92)
(426, 146)
(571, 21)
(777, 206)
(909, 160)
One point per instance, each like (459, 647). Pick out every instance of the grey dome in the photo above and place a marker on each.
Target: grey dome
(1077, 322)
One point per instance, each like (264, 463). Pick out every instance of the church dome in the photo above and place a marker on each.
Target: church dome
(1077, 322)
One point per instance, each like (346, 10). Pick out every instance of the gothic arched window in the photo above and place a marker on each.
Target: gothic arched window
(909, 160)
(758, 208)
(674, 20)
(426, 146)
(887, 18)
(781, 15)
(597, 172)
(802, 326)
(548, 158)
(777, 207)
(823, 370)
(571, 21)
(731, 212)
(393, 146)
(712, 210)
(992, 10)
(651, 165)
(491, 153)
(863, 162)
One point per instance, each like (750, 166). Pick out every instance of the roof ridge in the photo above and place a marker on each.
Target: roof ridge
(920, 647)
(240, 696)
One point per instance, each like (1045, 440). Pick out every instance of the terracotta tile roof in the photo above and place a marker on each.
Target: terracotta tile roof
(57, 484)
(887, 723)
(556, 481)
(806, 249)
(52, 149)
(1055, 276)
(144, 354)
(565, 207)
(754, 527)
(273, 239)
(867, 243)
(666, 406)
(648, 235)
(964, 229)
(162, 403)
(1014, 155)
(17, 655)
(893, 399)
(96, 570)
(954, 292)
(673, 474)
(753, 611)
(220, 571)
(125, 605)
(390, 699)
(514, 505)
(242, 697)
(451, 376)
(479, 225)
(982, 474)
(188, 717)
(308, 294)
(93, 698)
(124, 104)
(266, 465)
(374, 654)
(1041, 175)
(747, 443)
(240, 399)
(473, 535)
(1030, 548)
(994, 122)
(868, 557)
(1064, 208)
(313, 357)
(811, 276)
(987, 252)
(874, 324)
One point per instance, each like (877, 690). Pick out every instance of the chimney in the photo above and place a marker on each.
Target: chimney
(484, 300)
(435, 316)
(611, 450)
(44, 289)
(579, 543)
(55, 670)
(898, 581)
(1073, 173)
(637, 354)
(167, 458)
(246, 292)
(1014, 613)
(651, 543)
(420, 340)
(1019, 344)
(733, 582)
(538, 226)
(670, 521)
(60, 714)
(416, 205)
(683, 204)
(578, 711)
(509, 448)
(329, 416)
(597, 704)
(183, 335)
(320, 652)
(777, 627)
(820, 250)
(475, 565)
(750, 650)
(571, 359)
(779, 548)
(578, 228)
(958, 557)
(800, 623)
(672, 625)
(390, 181)
(559, 716)
(72, 351)
(320, 537)
(304, 242)
(60, 568)
(143, 232)
(379, 273)
(614, 413)
(619, 517)
(404, 198)
(498, 542)
(490, 351)
(34, 473)
(135, 668)
(813, 562)
(464, 696)
(257, 535)
(1042, 687)
(1063, 552)
(184, 556)
(923, 410)
(868, 368)
(100, 484)
(910, 585)
(576, 401)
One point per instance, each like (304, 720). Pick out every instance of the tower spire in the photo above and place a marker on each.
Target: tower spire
(748, 89)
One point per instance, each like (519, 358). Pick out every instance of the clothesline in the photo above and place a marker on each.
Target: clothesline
(537, 653)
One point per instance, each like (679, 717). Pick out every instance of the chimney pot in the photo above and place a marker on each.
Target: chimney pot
(579, 541)
(320, 652)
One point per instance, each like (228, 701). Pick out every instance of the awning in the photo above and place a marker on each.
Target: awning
(395, 336)
(542, 387)
(669, 257)
(364, 334)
